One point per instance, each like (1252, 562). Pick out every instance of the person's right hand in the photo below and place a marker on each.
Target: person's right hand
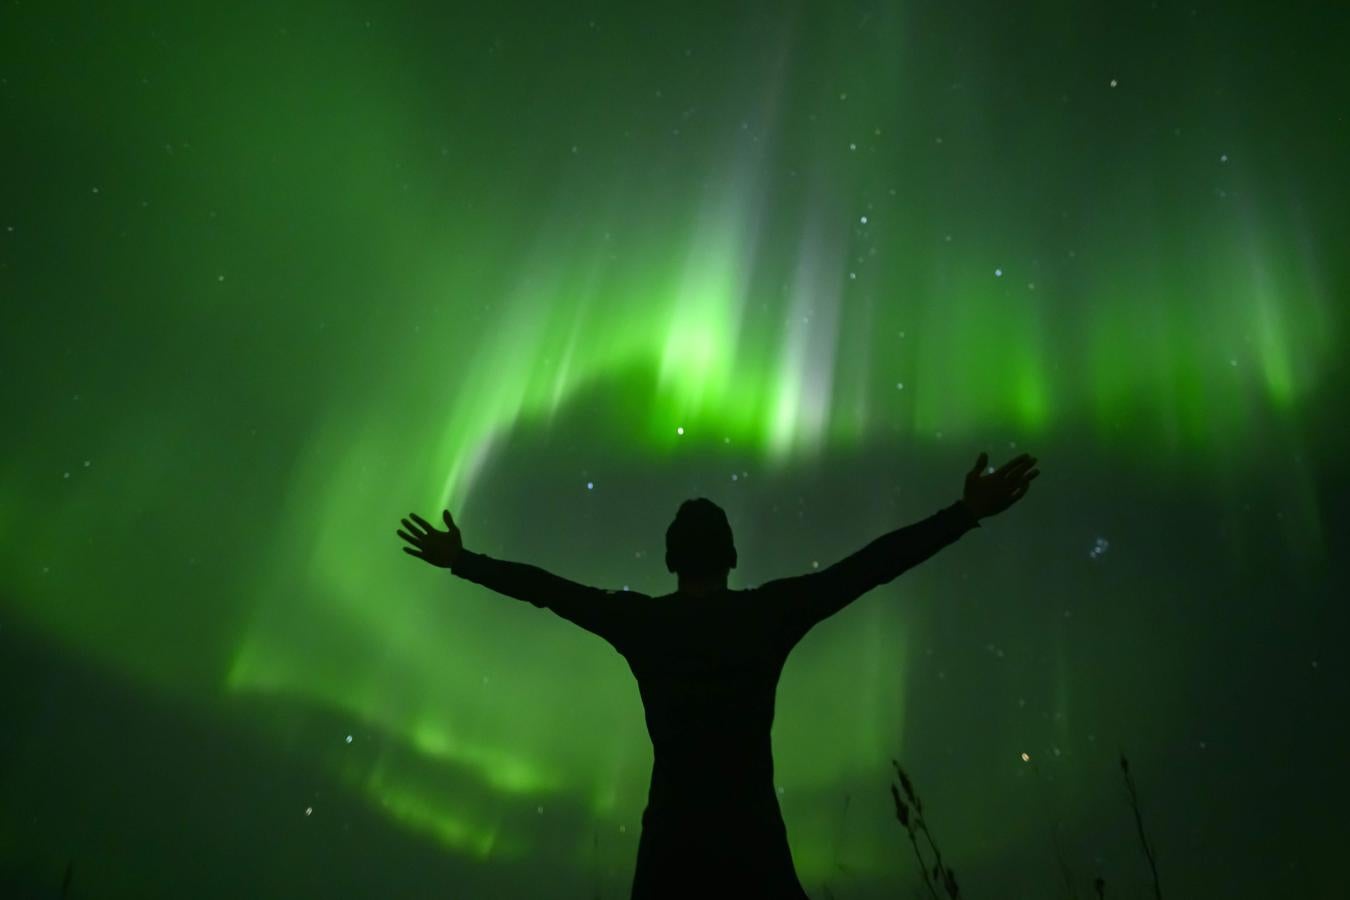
(440, 548)
(987, 495)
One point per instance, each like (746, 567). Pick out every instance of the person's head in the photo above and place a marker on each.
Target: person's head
(699, 546)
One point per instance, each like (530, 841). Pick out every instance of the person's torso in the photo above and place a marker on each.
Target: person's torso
(708, 670)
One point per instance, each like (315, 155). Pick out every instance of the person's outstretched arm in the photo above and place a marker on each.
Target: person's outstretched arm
(599, 611)
(799, 602)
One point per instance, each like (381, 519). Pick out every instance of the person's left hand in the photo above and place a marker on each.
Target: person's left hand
(440, 548)
(990, 494)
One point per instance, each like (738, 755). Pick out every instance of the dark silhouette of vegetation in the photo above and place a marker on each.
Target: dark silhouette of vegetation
(909, 812)
(914, 823)
(1139, 825)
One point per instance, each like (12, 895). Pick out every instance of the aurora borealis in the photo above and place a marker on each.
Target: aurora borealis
(275, 274)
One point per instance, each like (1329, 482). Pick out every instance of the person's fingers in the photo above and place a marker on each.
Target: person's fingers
(411, 552)
(1017, 467)
(1011, 464)
(980, 462)
(448, 520)
(412, 528)
(421, 521)
(409, 538)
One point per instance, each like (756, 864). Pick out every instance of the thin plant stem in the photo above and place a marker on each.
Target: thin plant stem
(923, 868)
(1139, 826)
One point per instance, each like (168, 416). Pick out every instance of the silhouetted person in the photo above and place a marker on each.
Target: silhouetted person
(707, 661)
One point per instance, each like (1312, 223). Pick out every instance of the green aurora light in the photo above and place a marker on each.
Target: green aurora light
(274, 276)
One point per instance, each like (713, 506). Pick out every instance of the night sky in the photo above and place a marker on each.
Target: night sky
(274, 275)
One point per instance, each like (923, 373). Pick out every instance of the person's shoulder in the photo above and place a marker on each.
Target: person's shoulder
(634, 596)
